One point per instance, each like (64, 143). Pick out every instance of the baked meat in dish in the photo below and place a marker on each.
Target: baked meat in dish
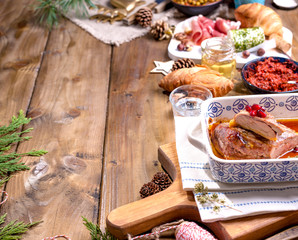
(238, 143)
(267, 127)
(253, 136)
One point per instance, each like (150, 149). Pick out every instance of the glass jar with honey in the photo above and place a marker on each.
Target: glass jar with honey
(218, 53)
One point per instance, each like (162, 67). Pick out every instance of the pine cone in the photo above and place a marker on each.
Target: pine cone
(149, 189)
(144, 17)
(162, 180)
(183, 63)
(158, 30)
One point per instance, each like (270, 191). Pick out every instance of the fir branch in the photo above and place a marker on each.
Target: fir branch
(49, 11)
(2, 181)
(9, 163)
(12, 166)
(14, 229)
(96, 233)
(16, 123)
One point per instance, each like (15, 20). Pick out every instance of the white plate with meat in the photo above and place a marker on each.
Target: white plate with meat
(252, 148)
(218, 28)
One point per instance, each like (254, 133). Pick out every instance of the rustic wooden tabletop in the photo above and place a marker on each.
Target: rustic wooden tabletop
(95, 108)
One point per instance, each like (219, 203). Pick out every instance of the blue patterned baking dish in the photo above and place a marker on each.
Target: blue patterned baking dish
(282, 106)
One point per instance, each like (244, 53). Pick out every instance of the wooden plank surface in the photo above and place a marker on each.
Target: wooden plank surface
(21, 49)
(139, 120)
(68, 110)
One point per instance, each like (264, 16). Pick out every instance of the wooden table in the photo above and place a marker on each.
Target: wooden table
(95, 108)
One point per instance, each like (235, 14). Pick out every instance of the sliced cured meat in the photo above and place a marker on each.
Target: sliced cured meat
(197, 31)
(207, 22)
(223, 25)
(200, 28)
(215, 33)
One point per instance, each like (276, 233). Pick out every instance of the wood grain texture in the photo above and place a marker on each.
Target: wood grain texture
(22, 44)
(174, 203)
(68, 111)
(140, 119)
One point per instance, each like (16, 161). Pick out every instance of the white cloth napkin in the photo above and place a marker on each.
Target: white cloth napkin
(242, 199)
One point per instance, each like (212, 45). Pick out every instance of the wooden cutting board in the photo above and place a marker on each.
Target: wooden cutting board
(174, 203)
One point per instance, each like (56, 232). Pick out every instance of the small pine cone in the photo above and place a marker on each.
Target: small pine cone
(158, 30)
(183, 63)
(144, 17)
(162, 180)
(148, 189)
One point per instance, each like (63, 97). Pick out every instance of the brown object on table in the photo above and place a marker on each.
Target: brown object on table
(131, 19)
(183, 63)
(162, 180)
(144, 17)
(258, 15)
(175, 203)
(158, 30)
(149, 189)
(198, 75)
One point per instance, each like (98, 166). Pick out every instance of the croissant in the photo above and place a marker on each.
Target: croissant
(258, 15)
(198, 75)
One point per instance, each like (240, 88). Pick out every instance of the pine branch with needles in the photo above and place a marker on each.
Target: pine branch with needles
(14, 229)
(9, 135)
(50, 11)
(96, 233)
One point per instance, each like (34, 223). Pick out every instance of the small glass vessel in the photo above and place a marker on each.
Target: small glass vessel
(218, 53)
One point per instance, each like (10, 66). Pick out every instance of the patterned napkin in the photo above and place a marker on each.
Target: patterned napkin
(243, 199)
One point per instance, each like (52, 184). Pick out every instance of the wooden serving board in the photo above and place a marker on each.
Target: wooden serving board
(174, 203)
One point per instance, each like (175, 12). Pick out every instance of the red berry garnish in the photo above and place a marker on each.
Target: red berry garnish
(248, 108)
(256, 107)
(261, 114)
(253, 113)
(295, 149)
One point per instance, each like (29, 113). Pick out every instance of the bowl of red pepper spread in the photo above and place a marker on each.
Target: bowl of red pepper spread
(271, 75)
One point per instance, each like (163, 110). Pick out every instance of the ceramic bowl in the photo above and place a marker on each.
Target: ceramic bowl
(250, 170)
(251, 65)
(196, 10)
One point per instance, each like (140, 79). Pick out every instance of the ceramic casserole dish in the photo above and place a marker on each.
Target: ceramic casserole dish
(281, 106)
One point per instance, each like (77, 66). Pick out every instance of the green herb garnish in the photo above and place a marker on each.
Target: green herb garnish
(205, 197)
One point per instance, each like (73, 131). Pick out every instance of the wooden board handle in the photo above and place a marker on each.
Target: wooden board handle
(169, 205)
(140, 216)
